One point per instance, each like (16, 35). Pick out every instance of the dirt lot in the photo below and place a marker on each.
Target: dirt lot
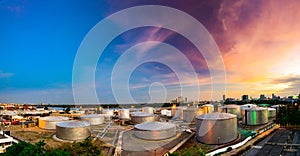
(35, 134)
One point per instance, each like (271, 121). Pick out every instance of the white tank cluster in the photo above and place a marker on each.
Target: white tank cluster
(49, 122)
(155, 130)
(124, 114)
(141, 117)
(94, 119)
(232, 109)
(73, 130)
(271, 112)
(148, 110)
(255, 116)
(216, 128)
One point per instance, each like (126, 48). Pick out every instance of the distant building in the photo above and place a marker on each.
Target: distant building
(245, 98)
(262, 97)
(224, 97)
(274, 97)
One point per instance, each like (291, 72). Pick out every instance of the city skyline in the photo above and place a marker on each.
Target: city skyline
(258, 41)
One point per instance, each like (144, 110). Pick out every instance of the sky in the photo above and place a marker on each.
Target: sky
(259, 43)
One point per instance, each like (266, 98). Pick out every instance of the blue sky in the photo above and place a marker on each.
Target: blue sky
(39, 41)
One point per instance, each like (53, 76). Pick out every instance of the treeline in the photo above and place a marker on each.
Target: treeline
(271, 102)
(288, 115)
(84, 148)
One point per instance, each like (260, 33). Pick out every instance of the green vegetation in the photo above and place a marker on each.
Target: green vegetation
(85, 148)
(192, 151)
(288, 115)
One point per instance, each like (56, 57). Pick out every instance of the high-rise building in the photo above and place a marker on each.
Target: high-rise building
(262, 97)
(224, 97)
(245, 98)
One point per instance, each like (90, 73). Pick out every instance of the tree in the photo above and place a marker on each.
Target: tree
(68, 109)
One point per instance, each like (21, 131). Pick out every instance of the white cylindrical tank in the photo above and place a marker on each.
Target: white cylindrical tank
(255, 116)
(216, 128)
(271, 112)
(124, 114)
(73, 130)
(163, 112)
(93, 119)
(179, 113)
(49, 122)
(169, 113)
(141, 117)
(155, 130)
(189, 114)
(232, 109)
(247, 106)
(148, 110)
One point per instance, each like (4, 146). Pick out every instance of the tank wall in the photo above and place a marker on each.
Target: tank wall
(142, 119)
(189, 115)
(124, 114)
(94, 121)
(235, 111)
(272, 113)
(47, 124)
(155, 135)
(148, 110)
(254, 117)
(67, 133)
(222, 131)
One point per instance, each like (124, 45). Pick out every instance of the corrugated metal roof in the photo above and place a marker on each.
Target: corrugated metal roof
(73, 124)
(153, 126)
(216, 116)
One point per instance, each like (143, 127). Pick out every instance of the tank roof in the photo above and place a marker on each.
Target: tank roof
(73, 124)
(216, 116)
(256, 108)
(272, 109)
(54, 118)
(92, 116)
(153, 126)
(231, 106)
(140, 114)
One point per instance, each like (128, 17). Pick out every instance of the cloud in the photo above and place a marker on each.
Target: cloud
(5, 74)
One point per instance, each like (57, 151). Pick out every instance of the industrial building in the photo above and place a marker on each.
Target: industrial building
(208, 108)
(73, 130)
(49, 122)
(216, 128)
(155, 130)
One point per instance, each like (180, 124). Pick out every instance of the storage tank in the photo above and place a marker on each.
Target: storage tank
(179, 113)
(247, 106)
(163, 112)
(141, 117)
(94, 119)
(49, 122)
(216, 128)
(155, 130)
(208, 108)
(271, 112)
(189, 114)
(124, 114)
(73, 130)
(232, 109)
(108, 113)
(255, 116)
(148, 110)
